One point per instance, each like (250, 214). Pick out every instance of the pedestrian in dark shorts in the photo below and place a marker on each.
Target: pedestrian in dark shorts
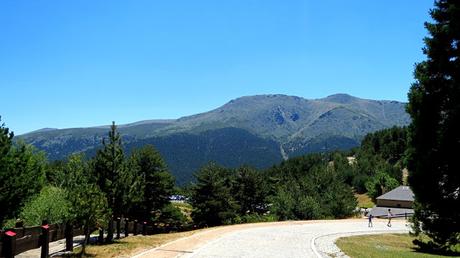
(370, 221)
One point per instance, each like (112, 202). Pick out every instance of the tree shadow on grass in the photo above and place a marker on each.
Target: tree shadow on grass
(431, 248)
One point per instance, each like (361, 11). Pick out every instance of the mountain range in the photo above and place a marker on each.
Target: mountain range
(256, 130)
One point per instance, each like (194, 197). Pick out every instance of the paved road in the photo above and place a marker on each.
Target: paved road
(281, 239)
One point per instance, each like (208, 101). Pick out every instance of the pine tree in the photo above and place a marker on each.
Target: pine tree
(249, 190)
(109, 169)
(434, 144)
(151, 177)
(212, 200)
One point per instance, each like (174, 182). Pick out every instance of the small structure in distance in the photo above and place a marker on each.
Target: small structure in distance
(399, 200)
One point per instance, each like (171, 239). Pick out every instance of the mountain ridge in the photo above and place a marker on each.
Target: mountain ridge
(282, 126)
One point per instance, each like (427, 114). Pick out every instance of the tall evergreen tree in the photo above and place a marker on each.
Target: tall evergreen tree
(109, 170)
(249, 190)
(212, 200)
(154, 181)
(434, 105)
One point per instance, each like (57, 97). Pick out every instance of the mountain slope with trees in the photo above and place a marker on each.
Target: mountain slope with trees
(257, 130)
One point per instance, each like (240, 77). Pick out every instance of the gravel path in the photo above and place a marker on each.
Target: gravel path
(281, 239)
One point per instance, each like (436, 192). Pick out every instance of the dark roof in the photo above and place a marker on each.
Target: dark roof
(382, 212)
(401, 193)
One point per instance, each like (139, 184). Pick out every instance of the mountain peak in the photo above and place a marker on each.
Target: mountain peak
(340, 98)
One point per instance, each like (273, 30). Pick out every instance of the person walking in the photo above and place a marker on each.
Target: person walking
(389, 217)
(370, 221)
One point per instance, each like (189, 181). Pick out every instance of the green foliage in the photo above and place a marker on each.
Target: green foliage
(255, 217)
(382, 151)
(152, 181)
(89, 206)
(212, 199)
(109, 168)
(22, 171)
(434, 133)
(290, 205)
(249, 190)
(379, 184)
(50, 205)
(171, 216)
(390, 144)
(310, 187)
(185, 153)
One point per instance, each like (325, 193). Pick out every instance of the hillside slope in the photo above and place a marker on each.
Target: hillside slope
(255, 130)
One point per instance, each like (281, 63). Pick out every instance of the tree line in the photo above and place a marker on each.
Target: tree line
(85, 192)
(313, 186)
(92, 192)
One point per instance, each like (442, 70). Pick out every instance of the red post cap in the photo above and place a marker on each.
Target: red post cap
(10, 233)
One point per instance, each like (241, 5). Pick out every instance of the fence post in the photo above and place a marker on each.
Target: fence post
(144, 228)
(68, 236)
(135, 227)
(118, 227)
(100, 239)
(45, 241)
(109, 238)
(9, 244)
(126, 227)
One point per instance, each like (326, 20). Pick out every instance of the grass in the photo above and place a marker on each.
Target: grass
(130, 245)
(364, 201)
(384, 245)
(185, 208)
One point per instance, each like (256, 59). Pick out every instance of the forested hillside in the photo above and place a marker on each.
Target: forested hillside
(88, 192)
(256, 130)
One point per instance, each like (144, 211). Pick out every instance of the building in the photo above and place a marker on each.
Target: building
(399, 200)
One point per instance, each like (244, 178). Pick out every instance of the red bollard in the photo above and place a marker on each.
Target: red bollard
(9, 244)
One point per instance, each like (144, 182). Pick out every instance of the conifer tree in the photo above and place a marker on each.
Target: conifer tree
(434, 144)
(109, 169)
(212, 199)
(153, 182)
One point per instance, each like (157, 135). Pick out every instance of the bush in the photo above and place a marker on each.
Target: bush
(51, 205)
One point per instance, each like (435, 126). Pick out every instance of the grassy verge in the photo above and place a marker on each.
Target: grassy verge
(364, 201)
(129, 246)
(384, 245)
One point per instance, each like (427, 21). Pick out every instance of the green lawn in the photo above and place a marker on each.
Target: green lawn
(384, 245)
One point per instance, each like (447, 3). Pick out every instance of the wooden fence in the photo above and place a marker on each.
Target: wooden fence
(20, 239)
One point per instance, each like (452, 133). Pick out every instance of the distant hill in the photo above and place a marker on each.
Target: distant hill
(255, 130)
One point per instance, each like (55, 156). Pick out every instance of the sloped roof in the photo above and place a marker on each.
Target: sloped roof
(401, 193)
(382, 212)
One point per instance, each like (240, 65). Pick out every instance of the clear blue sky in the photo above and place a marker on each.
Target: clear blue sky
(85, 63)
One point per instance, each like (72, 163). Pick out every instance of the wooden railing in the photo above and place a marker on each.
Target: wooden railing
(14, 241)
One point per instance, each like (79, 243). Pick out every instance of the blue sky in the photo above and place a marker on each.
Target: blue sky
(85, 63)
